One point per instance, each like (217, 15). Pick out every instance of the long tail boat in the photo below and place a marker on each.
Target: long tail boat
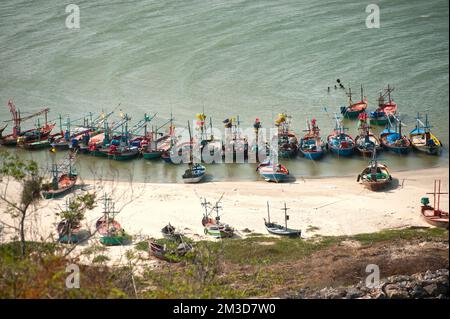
(312, 145)
(433, 214)
(280, 230)
(213, 226)
(287, 140)
(196, 171)
(340, 142)
(423, 140)
(111, 232)
(64, 178)
(30, 135)
(393, 139)
(386, 110)
(354, 109)
(366, 142)
(375, 176)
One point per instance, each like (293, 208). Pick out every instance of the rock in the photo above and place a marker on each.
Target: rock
(353, 293)
(395, 292)
(418, 292)
(432, 290)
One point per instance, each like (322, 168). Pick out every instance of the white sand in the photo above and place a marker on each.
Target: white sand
(333, 206)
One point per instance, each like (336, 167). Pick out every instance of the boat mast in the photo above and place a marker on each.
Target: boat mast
(350, 94)
(286, 216)
(437, 191)
(362, 93)
(268, 212)
(191, 160)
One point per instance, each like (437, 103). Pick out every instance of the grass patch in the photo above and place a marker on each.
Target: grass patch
(406, 233)
(141, 246)
(100, 259)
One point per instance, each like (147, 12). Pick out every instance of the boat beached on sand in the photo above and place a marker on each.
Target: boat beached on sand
(375, 176)
(433, 215)
(213, 226)
(280, 230)
(64, 178)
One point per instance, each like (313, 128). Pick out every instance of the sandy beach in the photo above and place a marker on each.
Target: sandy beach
(325, 206)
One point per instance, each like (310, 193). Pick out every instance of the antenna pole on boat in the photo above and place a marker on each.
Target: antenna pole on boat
(349, 94)
(190, 144)
(437, 191)
(362, 93)
(286, 217)
(268, 212)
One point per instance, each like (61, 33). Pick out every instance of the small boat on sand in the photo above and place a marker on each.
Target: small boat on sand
(280, 230)
(375, 176)
(433, 215)
(213, 226)
(64, 178)
(273, 172)
(163, 252)
(111, 232)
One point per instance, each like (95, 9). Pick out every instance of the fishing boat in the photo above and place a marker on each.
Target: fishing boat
(354, 109)
(161, 251)
(169, 232)
(287, 140)
(235, 146)
(386, 110)
(366, 142)
(37, 140)
(280, 230)
(423, 140)
(433, 215)
(155, 145)
(2, 129)
(273, 172)
(64, 178)
(312, 145)
(393, 139)
(375, 176)
(30, 135)
(69, 234)
(196, 171)
(213, 226)
(339, 142)
(111, 232)
(211, 148)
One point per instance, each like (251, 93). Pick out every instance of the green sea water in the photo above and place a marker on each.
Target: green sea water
(228, 57)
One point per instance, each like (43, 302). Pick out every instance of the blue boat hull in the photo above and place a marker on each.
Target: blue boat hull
(342, 151)
(312, 155)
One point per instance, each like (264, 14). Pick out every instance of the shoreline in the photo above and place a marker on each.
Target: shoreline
(318, 206)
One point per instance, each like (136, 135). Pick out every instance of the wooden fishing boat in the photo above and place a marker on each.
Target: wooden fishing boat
(433, 214)
(394, 140)
(123, 152)
(280, 230)
(29, 135)
(167, 254)
(213, 226)
(386, 110)
(312, 145)
(235, 145)
(366, 142)
(69, 234)
(155, 147)
(423, 140)
(287, 139)
(169, 232)
(111, 232)
(354, 109)
(196, 171)
(375, 176)
(64, 178)
(273, 172)
(339, 142)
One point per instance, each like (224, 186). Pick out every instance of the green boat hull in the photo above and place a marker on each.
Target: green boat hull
(352, 115)
(123, 157)
(112, 240)
(37, 145)
(152, 155)
(98, 153)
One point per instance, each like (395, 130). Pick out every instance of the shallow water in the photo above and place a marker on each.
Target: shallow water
(252, 58)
